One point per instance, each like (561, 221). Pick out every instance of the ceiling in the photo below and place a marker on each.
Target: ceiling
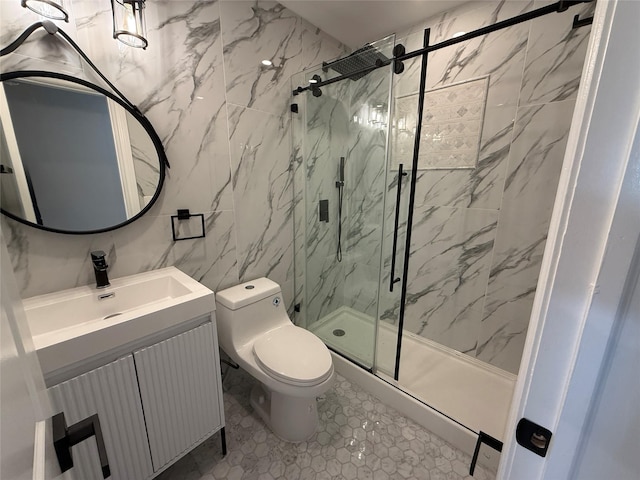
(356, 22)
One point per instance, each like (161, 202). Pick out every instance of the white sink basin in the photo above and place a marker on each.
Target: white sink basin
(73, 325)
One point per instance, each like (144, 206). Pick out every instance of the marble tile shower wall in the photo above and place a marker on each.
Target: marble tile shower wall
(223, 119)
(324, 130)
(479, 234)
(365, 188)
(321, 130)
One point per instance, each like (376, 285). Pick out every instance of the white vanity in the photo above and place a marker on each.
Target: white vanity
(143, 355)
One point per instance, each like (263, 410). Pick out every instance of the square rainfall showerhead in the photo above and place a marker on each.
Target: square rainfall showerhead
(365, 57)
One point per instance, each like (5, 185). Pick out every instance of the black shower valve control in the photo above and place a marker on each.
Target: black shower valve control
(323, 210)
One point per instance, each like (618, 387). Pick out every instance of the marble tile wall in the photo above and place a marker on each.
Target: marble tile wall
(322, 134)
(223, 119)
(479, 234)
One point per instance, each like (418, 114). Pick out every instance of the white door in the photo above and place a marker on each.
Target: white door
(586, 285)
(26, 445)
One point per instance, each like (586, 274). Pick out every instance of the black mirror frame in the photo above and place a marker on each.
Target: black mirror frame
(146, 124)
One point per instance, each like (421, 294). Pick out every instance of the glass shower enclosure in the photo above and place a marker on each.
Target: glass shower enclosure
(340, 145)
(354, 144)
(423, 200)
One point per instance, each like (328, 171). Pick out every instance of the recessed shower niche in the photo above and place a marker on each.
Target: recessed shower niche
(451, 126)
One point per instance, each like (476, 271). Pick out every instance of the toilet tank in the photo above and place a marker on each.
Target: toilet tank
(247, 311)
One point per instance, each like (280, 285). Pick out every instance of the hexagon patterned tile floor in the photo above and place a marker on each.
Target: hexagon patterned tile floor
(359, 438)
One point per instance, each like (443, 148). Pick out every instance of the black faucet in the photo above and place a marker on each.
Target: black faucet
(100, 268)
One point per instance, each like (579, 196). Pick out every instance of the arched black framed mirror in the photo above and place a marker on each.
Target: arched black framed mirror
(75, 158)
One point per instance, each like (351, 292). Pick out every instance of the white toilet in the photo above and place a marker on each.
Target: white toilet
(292, 365)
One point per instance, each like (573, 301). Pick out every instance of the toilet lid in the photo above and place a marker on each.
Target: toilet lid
(293, 355)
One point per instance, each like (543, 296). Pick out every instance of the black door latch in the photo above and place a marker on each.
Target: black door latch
(66, 437)
(533, 437)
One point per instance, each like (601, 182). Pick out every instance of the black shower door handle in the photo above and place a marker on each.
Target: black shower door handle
(393, 279)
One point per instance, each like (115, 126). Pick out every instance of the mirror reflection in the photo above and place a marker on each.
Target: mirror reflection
(71, 158)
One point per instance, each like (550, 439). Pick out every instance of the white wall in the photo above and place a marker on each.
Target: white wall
(16, 410)
(22, 390)
(611, 434)
(610, 442)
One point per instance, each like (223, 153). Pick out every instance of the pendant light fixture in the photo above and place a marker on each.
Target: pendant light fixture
(128, 22)
(53, 9)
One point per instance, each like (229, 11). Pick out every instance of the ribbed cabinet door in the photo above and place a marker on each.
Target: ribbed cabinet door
(111, 392)
(178, 384)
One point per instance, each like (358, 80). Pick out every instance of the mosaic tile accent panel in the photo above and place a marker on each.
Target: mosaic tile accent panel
(358, 438)
(451, 125)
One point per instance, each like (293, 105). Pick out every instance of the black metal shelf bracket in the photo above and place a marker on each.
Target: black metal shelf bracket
(581, 22)
(487, 440)
(65, 437)
(184, 214)
(223, 441)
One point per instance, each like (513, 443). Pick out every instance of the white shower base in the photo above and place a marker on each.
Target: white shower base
(471, 392)
(358, 338)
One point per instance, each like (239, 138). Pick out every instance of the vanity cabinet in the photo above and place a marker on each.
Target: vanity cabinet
(155, 405)
(179, 380)
(111, 392)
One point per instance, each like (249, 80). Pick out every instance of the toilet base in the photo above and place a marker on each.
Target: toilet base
(293, 419)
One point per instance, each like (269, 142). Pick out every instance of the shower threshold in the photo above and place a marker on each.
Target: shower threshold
(471, 392)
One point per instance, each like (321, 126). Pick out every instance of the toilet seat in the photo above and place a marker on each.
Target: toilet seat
(294, 356)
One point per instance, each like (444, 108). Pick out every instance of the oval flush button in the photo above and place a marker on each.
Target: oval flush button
(249, 287)
(276, 301)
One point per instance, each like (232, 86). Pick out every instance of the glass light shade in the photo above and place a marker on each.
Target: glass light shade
(128, 22)
(53, 9)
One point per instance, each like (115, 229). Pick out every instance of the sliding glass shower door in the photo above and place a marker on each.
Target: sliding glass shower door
(488, 158)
